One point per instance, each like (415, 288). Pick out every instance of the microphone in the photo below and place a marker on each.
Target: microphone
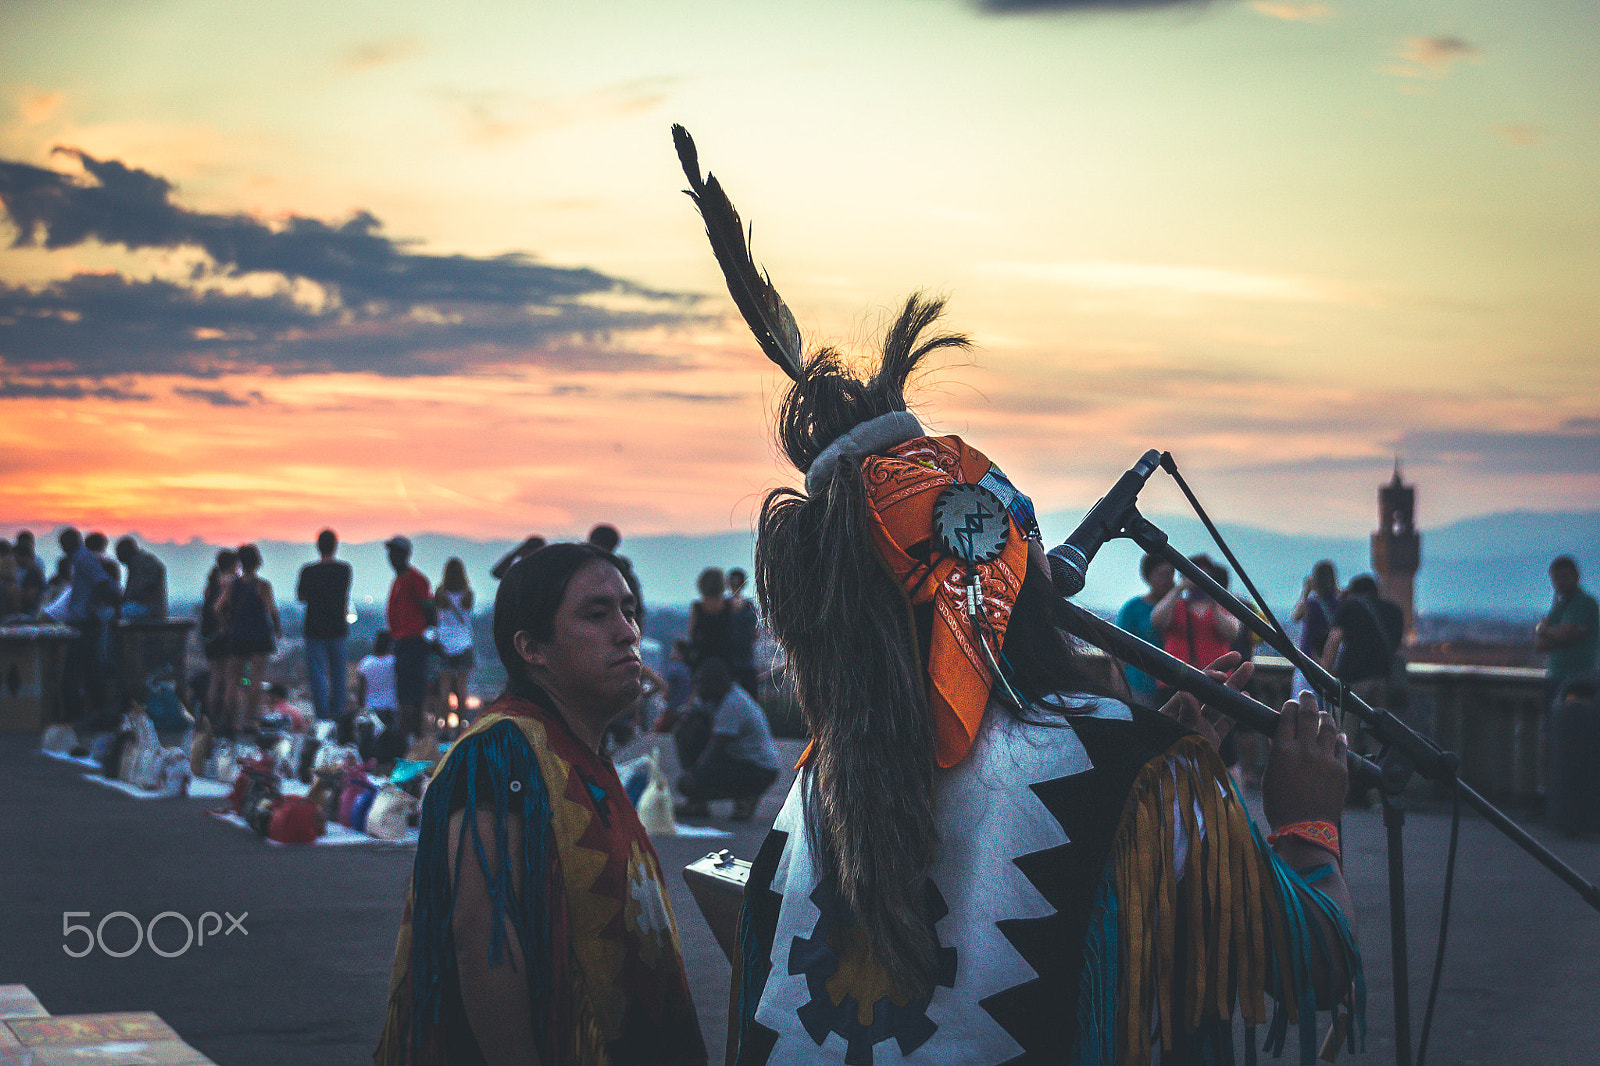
(1069, 561)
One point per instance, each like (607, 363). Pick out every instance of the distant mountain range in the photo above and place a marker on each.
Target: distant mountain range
(1491, 566)
(1494, 566)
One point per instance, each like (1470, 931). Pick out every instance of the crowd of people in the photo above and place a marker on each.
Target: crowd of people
(1354, 634)
(88, 592)
(567, 626)
(240, 627)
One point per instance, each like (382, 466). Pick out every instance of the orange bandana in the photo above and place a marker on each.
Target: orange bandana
(901, 490)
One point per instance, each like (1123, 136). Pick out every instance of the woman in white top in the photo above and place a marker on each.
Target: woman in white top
(454, 635)
(375, 680)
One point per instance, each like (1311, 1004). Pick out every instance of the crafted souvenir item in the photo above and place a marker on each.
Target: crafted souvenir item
(362, 807)
(296, 820)
(390, 815)
(254, 776)
(59, 738)
(258, 807)
(201, 743)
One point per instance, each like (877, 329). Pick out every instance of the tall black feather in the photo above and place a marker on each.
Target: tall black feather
(751, 287)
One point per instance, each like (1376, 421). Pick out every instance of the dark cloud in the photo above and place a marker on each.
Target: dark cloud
(684, 397)
(106, 324)
(65, 390)
(1318, 466)
(387, 309)
(1015, 7)
(224, 398)
(1574, 449)
(133, 208)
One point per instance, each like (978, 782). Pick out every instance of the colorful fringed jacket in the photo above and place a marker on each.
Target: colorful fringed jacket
(1100, 896)
(593, 922)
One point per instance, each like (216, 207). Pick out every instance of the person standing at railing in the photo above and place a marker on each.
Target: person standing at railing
(1569, 632)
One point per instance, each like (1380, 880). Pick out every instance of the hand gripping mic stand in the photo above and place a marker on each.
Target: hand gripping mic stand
(1402, 751)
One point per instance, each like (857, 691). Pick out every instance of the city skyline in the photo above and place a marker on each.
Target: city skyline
(429, 269)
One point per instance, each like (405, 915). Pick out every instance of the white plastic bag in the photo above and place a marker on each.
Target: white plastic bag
(655, 805)
(390, 814)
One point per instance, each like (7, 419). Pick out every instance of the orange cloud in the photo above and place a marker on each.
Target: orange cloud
(36, 106)
(1431, 57)
(1293, 11)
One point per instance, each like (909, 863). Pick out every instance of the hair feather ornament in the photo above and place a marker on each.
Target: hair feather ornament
(763, 309)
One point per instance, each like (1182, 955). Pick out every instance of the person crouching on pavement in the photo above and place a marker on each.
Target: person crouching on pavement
(554, 941)
(738, 760)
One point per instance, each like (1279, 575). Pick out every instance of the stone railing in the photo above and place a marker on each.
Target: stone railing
(1490, 716)
(32, 658)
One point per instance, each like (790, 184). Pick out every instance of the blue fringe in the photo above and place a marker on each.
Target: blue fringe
(1097, 993)
(1305, 936)
(503, 755)
(753, 967)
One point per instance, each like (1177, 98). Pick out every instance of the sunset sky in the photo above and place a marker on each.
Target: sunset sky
(428, 267)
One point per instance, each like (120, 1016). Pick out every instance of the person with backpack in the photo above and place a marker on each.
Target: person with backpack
(253, 627)
(1363, 652)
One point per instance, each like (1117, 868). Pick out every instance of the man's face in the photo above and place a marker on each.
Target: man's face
(1564, 579)
(399, 558)
(1161, 579)
(592, 658)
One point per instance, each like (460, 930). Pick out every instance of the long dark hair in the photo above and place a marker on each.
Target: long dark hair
(1325, 582)
(856, 650)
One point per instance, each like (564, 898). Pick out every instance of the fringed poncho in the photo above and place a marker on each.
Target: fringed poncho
(593, 923)
(1100, 897)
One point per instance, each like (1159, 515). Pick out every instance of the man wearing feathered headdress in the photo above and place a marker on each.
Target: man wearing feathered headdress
(986, 857)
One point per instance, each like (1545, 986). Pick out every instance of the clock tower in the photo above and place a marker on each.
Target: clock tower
(1397, 547)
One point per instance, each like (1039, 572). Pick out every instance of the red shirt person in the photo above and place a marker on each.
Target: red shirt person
(410, 612)
(1192, 626)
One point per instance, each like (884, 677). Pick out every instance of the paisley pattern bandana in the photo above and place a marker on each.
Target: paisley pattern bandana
(901, 489)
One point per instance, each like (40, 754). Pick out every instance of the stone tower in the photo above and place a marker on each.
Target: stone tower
(1397, 547)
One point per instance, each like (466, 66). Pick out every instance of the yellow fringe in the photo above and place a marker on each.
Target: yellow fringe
(393, 1040)
(588, 1039)
(1227, 899)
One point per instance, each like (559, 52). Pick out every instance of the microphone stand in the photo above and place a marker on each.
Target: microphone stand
(1402, 751)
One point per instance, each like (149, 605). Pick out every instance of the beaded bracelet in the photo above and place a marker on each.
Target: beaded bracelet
(1324, 835)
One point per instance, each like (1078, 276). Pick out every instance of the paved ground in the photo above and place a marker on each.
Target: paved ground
(307, 982)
